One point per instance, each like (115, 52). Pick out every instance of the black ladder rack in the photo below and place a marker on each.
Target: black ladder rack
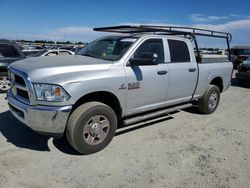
(169, 30)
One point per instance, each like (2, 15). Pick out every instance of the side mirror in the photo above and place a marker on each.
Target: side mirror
(145, 59)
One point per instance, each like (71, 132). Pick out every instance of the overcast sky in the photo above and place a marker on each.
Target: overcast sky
(73, 20)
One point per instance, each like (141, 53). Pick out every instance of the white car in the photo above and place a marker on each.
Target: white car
(53, 52)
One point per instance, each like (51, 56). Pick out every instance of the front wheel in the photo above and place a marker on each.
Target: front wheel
(5, 84)
(210, 100)
(91, 127)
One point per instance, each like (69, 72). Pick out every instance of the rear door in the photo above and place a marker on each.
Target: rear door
(182, 71)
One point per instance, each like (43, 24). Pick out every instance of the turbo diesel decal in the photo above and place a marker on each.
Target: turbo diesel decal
(135, 85)
(122, 87)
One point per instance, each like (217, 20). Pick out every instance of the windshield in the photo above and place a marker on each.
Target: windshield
(109, 48)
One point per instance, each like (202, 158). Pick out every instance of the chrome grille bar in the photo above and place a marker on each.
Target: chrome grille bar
(25, 90)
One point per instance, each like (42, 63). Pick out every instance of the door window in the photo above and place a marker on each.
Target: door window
(179, 52)
(151, 46)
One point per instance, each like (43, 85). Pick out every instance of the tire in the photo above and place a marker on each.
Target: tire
(210, 100)
(91, 127)
(5, 83)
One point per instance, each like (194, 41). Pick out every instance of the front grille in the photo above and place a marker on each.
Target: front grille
(20, 87)
(22, 93)
(20, 80)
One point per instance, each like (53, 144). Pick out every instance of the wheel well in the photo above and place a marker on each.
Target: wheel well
(104, 97)
(218, 82)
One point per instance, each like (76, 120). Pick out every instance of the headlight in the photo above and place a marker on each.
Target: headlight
(50, 92)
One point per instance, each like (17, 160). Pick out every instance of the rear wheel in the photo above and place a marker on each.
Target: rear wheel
(210, 100)
(5, 83)
(91, 127)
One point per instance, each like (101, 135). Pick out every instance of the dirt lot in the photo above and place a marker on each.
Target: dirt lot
(188, 150)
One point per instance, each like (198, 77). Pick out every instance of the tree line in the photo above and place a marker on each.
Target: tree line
(50, 42)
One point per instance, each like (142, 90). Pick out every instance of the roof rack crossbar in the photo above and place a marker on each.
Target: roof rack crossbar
(196, 31)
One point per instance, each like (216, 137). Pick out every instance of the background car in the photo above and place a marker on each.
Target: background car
(77, 49)
(239, 54)
(238, 60)
(53, 52)
(243, 74)
(30, 50)
(9, 53)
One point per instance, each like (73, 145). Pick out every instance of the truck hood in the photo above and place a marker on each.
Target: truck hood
(46, 69)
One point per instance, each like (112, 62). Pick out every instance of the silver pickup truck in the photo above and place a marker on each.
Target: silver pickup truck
(139, 74)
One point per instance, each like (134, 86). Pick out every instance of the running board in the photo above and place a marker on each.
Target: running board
(155, 114)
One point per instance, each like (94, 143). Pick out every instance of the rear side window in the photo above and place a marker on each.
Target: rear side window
(179, 52)
(151, 46)
(7, 50)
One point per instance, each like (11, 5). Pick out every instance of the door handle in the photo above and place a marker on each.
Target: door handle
(162, 72)
(192, 69)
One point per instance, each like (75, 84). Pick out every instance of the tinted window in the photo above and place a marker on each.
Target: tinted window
(7, 51)
(151, 46)
(178, 51)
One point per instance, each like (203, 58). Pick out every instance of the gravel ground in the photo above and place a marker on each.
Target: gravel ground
(188, 150)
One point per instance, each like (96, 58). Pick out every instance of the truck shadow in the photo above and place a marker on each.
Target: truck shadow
(20, 135)
(63, 145)
(123, 129)
(193, 110)
(23, 137)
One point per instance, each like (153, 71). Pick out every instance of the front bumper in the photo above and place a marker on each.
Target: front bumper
(47, 120)
(243, 76)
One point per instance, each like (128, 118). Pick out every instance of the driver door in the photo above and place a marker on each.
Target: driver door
(147, 84)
